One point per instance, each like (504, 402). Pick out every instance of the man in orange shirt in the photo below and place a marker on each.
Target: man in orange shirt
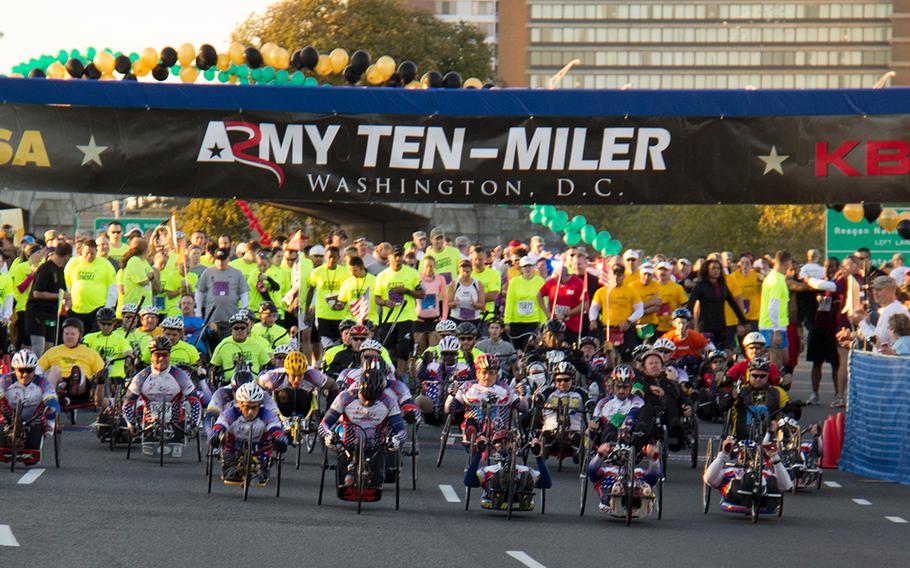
(690, 345)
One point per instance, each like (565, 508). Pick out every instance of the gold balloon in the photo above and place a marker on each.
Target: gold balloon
(108, 77)
(56, 70)
(324, 65)
(104, 62)
(186, 54)
(905, 216)
(425, 80)
(149, 56)
(386, 66)
(853, 212)
(339, 59)
(888, 220)
(414, 85)
(373, 75)
(235, 51)
(281, 59)
(140, 69)
(224, 62)
(266, 50)
(189, 74)
(472, 83)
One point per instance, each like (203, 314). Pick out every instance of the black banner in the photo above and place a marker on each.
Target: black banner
(505, 160)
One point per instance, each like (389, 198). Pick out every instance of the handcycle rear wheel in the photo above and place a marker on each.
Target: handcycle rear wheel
(247, 464)
(323, 467)
(473, 448)
(14, 437)
(705, 488)
(444, 439)
(414, 452)
(361, 473)
(583, 475)
(695, 442)
(629, 486)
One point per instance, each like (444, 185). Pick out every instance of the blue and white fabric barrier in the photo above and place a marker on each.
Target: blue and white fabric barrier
(877, 429)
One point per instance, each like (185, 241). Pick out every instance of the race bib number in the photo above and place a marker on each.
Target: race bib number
(664, 309)
(746, 304)
(526, 307)
(617, 337)
(220, 288)
(468, 314)
(428, 302)
(561, 310)
(824, 304)
(396, 297)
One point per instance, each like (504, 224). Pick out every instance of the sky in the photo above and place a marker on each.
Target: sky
(35, 27)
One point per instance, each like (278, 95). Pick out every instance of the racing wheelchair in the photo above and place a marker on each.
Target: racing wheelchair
(21, 433)
(254, 459)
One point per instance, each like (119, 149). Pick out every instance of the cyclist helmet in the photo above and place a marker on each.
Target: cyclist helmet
(449, 344)
(717, 354)
(173, 322)
(754, 338)
(295, 363)
(148, 310)
(24, 359)
(241, 378)
(651, 352)
(160, 343)
(73, 322)
(285, 349)
(555, 327)
(564, 368)
(466, 328)
(589, 340)
(486, 361)
(664, 344)
(371, 345)
(373, 362)
(249, 393)
(129, 309)
(346, 323)
(623, 375)
(370, 324)
(372, 383)
(359, 331)
(683, 313)
(268, 307)
(446, 326)
(106, 314)
(639, 352)
(239, 317)
(760, 364)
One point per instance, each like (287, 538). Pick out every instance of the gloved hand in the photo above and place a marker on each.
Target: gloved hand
(410, 417)
(281, 444)
(536, 446)
(395, 442)
(215, 440)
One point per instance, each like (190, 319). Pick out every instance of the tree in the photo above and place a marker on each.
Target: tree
(224, 217)
(381, 27)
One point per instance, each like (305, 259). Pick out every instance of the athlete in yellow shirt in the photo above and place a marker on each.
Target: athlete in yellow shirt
(671, 295)
(618, 310)
(72, 362)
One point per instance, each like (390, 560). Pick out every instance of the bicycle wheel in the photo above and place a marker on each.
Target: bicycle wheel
(198, 446)
(14, 437)
(312, 436)
(629, 485)
(664, 451)
(414, 452)
(209, 468)
(780, 506)
(444, 440)
(467, 496)
(695, 442)
(510, 490)
(247, 464)
(57, 434)
(361, 474)
(660, 498)
(161, 436)
(705, 488)
(398, 462)
(278, 459)
(323, 467)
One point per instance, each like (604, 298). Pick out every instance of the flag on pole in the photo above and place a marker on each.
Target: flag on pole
(360, 307)
(605, 276)
(853, 303)
(297, 241)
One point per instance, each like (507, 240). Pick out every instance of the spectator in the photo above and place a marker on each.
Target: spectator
(899, 326)
(224, 289)
(774, 316)
(884, 289)
(48, 289)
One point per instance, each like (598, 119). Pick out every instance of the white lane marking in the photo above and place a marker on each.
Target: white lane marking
(833, 484)
(522, 557)
(898, 520)
(862, 502)
(449, 493)
(30, 476)
(6, 536)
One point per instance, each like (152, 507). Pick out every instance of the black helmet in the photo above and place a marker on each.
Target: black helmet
(466, 328)
(346, 323)
(555, 327)
(564, 368)
(268, 307)
(717, 354)
(372, 383)
(640, 351)
(73, 322)
(373, 362)
(760, 364)
(370, 324)
(106, 314)
(160, 343)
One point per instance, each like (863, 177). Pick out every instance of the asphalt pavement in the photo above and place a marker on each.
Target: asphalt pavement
(99, 509)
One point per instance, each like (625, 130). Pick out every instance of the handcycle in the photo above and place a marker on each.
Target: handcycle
(162, 422)
(801, 458)
(71, 400)
(110, 425)
(254, 458)
(370, 468)
(303, 431)
(20, 431)
(562, 438)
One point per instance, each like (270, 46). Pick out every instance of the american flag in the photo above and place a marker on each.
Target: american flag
(360, 308)
(297, 241)
(606, 276)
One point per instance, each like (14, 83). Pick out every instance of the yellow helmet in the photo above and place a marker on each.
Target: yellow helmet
(295, 363)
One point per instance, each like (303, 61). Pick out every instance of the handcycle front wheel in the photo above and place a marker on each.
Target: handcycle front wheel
(705, 488)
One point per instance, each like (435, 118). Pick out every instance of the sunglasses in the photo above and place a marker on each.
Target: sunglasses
(358, 339)
(105, 323)
(25, 370)
(563, 380)
(758, 376)
(239, 328)
(116, 232)
(466, 338)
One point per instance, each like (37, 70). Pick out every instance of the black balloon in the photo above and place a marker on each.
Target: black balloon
(351, 75)
(394, 81)
(297, 59)
(202, 64)
(452, 80)
(407, 70)
(129, 77)
(36, 74)
(92, 72)
(252, 58)
(903, 229)
(360, 60)
(836, 206)
(309, 57)
(208, 55)
(160, 72)
(75, 68)
(871, 211)
(122, 64)
(434, 80)
(489, 85)
(169, 56)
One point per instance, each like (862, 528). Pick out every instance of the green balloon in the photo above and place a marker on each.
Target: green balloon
(601, 240)
(562, 216)
(256, 74)
(268, 73)
(297, 78)
(282, 76)
(242, 70)
(90, 53)
(224, 76)
(209, 74)
(588, 234)
(548, 211)
(613, 247)
(556, 225)
(175, 70)
(311, 82)
(534, 216)
(578, 222)
(571, 238)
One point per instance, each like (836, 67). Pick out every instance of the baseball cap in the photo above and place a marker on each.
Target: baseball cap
(514, 243)
(360, 239)
(647, 268)
(437, 232)
(28, 239)
(630, 254)
(419, 235)
(462, 241)
(317, 250)
(135, 231)
(664, 265)
(50, 234)
(526, 261)
(685, 261)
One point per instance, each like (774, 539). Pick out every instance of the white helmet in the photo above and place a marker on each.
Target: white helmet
(371, 345)
(446, 326)
(249, 392)
(172, 322)
(753, 338)
(449, 344)
(129, 309)
(664, 344)
(283, 349)
(148, 310)
(24, 359)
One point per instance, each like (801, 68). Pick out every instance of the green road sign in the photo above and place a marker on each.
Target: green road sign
(128, 223)
(842, 237)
